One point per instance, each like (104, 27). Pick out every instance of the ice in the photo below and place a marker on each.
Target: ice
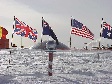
(27, 66)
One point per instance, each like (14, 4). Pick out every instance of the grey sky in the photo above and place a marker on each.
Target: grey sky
(57, 13)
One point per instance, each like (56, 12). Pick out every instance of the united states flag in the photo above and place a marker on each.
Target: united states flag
(80, 29)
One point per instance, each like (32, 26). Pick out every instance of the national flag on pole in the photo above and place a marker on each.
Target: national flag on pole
(80, 29)
(48, 31)
(0, 31)
(46, 28)
(106, 30)
(24, 30)
(19, 27)
(3, 32)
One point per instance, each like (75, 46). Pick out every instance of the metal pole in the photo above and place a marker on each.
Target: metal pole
(50, 63)
(70, 40)
(21, 41)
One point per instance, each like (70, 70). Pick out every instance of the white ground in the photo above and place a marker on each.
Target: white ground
(69, 67)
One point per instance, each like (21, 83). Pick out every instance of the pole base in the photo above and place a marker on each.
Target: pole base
(50, 74)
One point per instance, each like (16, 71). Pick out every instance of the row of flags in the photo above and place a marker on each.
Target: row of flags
(20, 28)
(77, 28)
(81, 30)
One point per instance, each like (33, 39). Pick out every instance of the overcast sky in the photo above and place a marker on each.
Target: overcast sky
(58, 14)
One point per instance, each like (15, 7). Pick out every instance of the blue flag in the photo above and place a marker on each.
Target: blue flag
(106, 31)
(46, 28)
(48, 31)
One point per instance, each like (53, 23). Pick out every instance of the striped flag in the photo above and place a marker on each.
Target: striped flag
(80, 29)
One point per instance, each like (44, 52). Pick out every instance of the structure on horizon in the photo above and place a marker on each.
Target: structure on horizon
(42, 45)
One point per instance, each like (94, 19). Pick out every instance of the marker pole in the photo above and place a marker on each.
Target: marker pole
(50, 63)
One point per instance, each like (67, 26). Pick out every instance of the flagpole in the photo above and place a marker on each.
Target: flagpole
(41, 34)
(21, 38)
(41, 41)
(100, 34)
(13, 33)
(70, 41)
(21, 42)
(70, 33)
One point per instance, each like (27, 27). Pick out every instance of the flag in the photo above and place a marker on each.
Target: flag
(46, 28)
(3, 32)
(24, 30)
(30, 33)
(106, 30)
(33, 35)
(19, 28)
(52, 34)
(48, 31)
(80, 29)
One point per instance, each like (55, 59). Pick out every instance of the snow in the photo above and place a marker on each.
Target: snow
(27, 66)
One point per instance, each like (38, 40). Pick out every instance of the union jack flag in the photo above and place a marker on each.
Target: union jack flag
(80, 29)
(24, 30)
(18, 27)
(106, 25)
(33, 36)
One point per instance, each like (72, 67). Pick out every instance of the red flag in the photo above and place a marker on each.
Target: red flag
(4, 33)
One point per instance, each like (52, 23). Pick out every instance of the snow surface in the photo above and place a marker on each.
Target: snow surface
(27, 66)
